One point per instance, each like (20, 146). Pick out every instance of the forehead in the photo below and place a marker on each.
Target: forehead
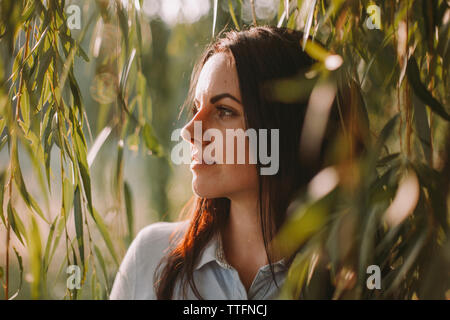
(217, 76)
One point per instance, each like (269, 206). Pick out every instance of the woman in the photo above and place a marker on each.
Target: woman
(224, 251)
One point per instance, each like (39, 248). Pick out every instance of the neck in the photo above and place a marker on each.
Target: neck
(242, 236)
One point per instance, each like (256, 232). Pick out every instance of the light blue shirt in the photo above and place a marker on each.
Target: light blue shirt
(213, 276)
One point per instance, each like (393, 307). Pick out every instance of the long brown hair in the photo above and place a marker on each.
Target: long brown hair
(261, 55)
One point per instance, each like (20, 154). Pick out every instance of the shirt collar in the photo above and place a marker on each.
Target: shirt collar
(213, 251)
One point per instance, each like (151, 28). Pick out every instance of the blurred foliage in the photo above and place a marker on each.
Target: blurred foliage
(42, 107)
(387, 206)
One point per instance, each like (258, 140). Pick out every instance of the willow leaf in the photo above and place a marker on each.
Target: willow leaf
(20, 263)
(2, 189)
(129, 209)
(101, 261)
(78, 219)
(413, 73)
(16, 223)
(233, 15)
(105, 235)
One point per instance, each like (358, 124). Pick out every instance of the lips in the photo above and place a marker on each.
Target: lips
(195, 158)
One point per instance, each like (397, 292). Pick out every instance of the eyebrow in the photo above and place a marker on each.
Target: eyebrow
(221, 96)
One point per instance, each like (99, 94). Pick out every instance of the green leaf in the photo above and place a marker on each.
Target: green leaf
(76, 93)
(233, 15)
(59, 233)
(47, 137)
(422, 127)
(2, 189)
(297, 275)
(18, 179)
(434, 182)
(281, 13)
(421, 91)
(105, 235)
(28, 11)
(20, 263)
(35, 254)
(151, 141)
(80, 146)
(118, 178)
(101, 261)
(22, 63)
(387, 131)
(33, 147)
(304, 223)
(143, 99)
(129, 209)
(16, 223)
(387, 159)
(78, 218)
(93, 286)
(46, 261)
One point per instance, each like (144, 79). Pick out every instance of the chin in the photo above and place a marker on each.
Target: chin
(206, 190)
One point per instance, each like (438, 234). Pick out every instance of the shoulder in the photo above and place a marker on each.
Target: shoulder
(160, 235)
(142, 258)
(155, 240)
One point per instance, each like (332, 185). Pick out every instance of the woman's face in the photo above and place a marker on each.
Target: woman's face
(217, 105)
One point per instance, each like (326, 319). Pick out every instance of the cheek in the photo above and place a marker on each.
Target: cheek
(225, 180)
(242, 173)
(240, 176)
(236, 179)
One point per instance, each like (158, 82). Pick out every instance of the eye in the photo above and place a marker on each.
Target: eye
(224, 111)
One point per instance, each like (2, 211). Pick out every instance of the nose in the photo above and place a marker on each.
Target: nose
(188, 131)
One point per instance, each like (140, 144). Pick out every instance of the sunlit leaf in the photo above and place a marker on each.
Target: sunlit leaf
(35, 253)
(233, 15)
(214, 17)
